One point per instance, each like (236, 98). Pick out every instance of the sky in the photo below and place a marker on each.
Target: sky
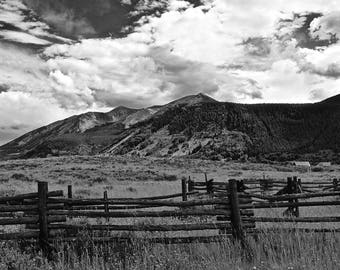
(64, 57)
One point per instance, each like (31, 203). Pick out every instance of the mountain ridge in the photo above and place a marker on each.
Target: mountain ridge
(194, 126)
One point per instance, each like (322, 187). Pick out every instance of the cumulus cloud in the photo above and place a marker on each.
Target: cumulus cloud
(22, 70)
(242, 51)
(189, 49)
(22, 112)
(326, 27)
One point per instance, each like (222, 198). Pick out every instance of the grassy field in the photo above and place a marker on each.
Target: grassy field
(134, 177)
(267, 252)
(138, 177)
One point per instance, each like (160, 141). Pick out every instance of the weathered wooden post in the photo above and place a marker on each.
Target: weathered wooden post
(289, 190)
(236, 222)
(69, 196)
(106, 205)
(295, 190)
(289, 185)
(69, 192)
(43, 222)
(299, 183)
(206, 182)
(210, 186)
(69, 207)
(184, 190)
(335, 184)
(191, 185)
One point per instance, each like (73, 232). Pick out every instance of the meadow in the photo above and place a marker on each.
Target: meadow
(138, 177)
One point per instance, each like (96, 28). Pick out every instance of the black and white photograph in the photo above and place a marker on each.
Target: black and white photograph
(169, 135)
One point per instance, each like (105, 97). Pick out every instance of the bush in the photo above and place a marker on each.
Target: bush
(166, 177)
(317, 169)
(100, 179)
(21, 177)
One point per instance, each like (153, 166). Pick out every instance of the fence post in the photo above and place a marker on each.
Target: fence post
(296, 190)
(184, 190)
(299, 183)
(43, 223)
(191, 185)
(69, 196)
(289, 191)
(106, 206)
(210, 186)
(236, 222)
(69, 192)
(335, 184)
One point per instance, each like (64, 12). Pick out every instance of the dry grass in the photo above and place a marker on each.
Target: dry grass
(269, 252)
(134, 177)
(147, 176)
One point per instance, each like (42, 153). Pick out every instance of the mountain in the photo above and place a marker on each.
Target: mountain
(195, 126)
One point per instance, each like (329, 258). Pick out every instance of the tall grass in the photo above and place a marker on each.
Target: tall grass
(270, 251)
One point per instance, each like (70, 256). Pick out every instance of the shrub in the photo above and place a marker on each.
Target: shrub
(170, 177)
(317, 169)
(131, 189)
(100, 179)
(21, 177)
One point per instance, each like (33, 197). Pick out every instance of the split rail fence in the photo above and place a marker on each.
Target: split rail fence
(224, 208)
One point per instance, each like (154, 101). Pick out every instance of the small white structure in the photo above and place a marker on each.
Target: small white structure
(302, 164)
(324, 164)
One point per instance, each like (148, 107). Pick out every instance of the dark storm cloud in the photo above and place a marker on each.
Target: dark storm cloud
(4, 88)
(87, 18)
(67, 17)
(97, 18)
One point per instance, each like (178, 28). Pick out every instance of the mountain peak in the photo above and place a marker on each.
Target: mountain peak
(121, 112)
(193, 99)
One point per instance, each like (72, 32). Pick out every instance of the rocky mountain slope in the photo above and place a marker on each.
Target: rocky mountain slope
(195, 126)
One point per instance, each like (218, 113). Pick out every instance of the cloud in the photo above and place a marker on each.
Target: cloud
(211, 49)
(19, 24)
(22, 112)
(22, 70)
(70, 25)
(135, 72)
(237, 50)
(326, 27)
(318, 94)
(22, 38)
(257, 46)
(324, 62)
(94, 19)
(4, 88)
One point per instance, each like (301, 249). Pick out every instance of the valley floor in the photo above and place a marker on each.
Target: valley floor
(135, 177)
(138, 177)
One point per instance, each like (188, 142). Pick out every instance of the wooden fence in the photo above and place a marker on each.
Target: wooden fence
(265, 185)
(270, 190)
(226, 210)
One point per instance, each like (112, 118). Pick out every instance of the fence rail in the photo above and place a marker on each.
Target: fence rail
(227, 209)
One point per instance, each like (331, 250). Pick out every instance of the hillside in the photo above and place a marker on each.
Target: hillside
(195, 126)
